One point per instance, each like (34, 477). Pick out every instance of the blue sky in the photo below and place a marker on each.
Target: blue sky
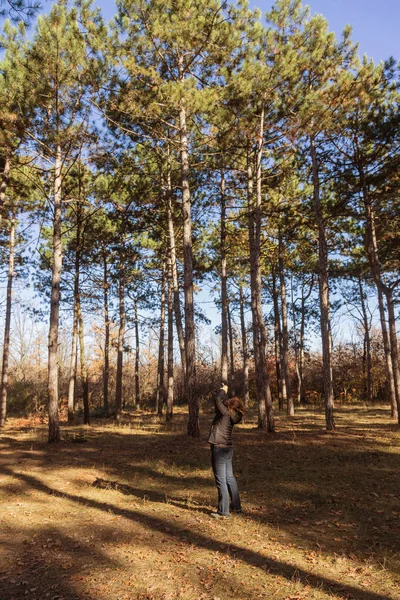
(375, 23)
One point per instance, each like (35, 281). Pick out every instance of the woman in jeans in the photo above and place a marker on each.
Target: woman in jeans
(227, 414)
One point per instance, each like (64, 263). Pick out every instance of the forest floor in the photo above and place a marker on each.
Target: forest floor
(124, 515)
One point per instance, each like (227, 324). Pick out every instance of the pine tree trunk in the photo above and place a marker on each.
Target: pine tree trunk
(170, 351)
(4, 182)
(84, 374)
(73, 364)
(72, 369)
(54, 428)
(387, 351)
(323, 294)
(7, 325)
(138, 399)
(368, 364)
(245, 350)
(231, 352)
(285, 334)
(224, 293)
(172, 249)
(265, 413)
(301, 395)
(160, 393)
(267, 419)
(106, 369)
(371, 249)
(121, 330)
(295, 341)
(280, 382)
(252, 249)
(394, 346)
(193, 402)
(74, 349)
(364, 367)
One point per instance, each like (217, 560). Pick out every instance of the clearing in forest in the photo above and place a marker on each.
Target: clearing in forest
(122, 512)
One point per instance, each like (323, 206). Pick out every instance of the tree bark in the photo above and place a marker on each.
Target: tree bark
(367, 337)
(84, 374)
(301, 392)
(170, 351)
(175, 281)
(121, 329)
(224, 293)
(231, 352)
(323, 276)
(394, 346)
(280, 382)
(54, 427)
(160, 392)
(371, 249)
(4, 182)
(245, 350)
(138, 399)
(295, 341)
(193, 402)
(285, 334)
(72, 370)
(74, 348)
(387, 351)
(265, 412)
(7, 325)
(106, 369)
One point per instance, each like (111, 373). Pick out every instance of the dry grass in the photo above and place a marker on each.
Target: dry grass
(125, 514)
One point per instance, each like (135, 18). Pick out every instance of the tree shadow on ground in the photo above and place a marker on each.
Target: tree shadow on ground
(50, 565)
(336, 492)
(171, 530)
(150, 495)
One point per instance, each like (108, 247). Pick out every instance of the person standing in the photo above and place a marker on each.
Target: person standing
(227, 414)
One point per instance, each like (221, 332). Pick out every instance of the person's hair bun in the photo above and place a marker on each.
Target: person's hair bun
(236, 404)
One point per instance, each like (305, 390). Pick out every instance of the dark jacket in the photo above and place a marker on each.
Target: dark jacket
(224, 420)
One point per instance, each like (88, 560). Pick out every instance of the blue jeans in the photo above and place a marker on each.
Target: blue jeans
(221, 461)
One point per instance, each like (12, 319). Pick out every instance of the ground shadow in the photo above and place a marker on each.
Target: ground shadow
(336, 492)
(285, 570)
(150, 495)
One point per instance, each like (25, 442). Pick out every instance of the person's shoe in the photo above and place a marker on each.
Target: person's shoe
(237, 512)
(215, 515)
